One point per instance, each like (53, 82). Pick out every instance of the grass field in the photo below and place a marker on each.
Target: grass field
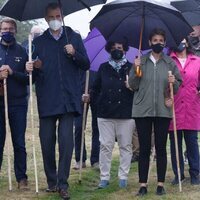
(87, 190)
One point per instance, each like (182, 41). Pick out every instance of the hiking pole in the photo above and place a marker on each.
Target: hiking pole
(31, 109)
(175, 134)
(83, 126)
(8, 136)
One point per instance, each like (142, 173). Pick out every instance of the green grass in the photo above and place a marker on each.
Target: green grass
(87, 190)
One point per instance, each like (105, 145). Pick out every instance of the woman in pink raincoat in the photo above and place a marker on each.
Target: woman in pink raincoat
(187, 110)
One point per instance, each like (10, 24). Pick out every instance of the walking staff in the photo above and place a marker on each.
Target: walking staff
(31, 113)
(83, 125)
(8, 137)
(175, 134)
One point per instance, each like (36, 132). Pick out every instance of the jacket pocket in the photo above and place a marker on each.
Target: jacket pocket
(139, 96)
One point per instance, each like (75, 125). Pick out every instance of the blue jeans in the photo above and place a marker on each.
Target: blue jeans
(192, 148)
(17, 120)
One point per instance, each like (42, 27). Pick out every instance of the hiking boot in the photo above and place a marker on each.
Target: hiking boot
(103, 184)
(23, 184)
(142, 191)
(64, 194)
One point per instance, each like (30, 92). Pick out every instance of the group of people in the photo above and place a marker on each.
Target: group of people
(123, 96)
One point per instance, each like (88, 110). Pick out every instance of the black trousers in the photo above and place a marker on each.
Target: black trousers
(144, 128)
(57, 176)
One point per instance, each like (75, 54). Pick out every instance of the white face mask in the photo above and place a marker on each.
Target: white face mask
(55, 24)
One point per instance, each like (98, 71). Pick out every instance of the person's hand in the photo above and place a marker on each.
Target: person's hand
(168, 102)
(86, 98)
(6, 68)
(3, 74)
(137, 68)
(127, 85)
(29, 66)
(137, 62)
(171, 78)
(69, 49)
(37, 64)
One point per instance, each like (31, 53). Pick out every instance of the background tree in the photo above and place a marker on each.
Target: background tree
(23, 28)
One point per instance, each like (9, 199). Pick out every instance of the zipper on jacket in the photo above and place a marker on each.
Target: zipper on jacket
(154, 90)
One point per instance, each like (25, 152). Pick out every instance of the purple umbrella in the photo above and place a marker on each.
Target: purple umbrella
(95, 43)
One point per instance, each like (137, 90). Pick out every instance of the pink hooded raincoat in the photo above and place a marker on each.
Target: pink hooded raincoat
(187, 99)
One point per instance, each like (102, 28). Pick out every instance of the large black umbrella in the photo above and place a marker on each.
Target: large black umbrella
(135, 19)
(33, 9)
(190, 10)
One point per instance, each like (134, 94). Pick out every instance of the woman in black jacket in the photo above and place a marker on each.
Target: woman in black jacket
(114, 104)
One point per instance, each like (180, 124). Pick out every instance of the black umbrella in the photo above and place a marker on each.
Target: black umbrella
(135, 19)
(32, 9)
(190, 10)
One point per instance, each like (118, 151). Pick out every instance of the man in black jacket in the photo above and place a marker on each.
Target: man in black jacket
(58, 91)
(12, 67)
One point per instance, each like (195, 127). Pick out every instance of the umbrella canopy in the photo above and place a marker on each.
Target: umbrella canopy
(190, 10)
(33, 9)
(95, 43)
(127, 18)
(95, 46)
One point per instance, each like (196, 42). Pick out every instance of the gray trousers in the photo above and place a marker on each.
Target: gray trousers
(57, 176)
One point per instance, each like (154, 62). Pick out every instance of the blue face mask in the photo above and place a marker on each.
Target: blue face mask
(8, 37)
(181, 47)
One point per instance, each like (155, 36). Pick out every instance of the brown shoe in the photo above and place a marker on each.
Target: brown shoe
(64, 194)
(23, 184)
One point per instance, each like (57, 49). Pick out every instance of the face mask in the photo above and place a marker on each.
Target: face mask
(8, 37)
(55, 24)
(157, 48)
(117, 54)
(193, 40)
(181, 47)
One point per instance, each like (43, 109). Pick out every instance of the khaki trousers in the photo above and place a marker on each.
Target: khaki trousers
(109, 130)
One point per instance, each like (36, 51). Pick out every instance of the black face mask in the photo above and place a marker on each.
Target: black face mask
(117, 54)
(8, 37)
(181, 47)
(157, 48)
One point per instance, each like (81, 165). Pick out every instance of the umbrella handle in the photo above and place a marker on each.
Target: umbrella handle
(62, 16)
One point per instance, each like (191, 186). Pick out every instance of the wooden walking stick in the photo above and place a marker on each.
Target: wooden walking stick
(175, 135)
(8, 136)
(31, 109)
(83, 126)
